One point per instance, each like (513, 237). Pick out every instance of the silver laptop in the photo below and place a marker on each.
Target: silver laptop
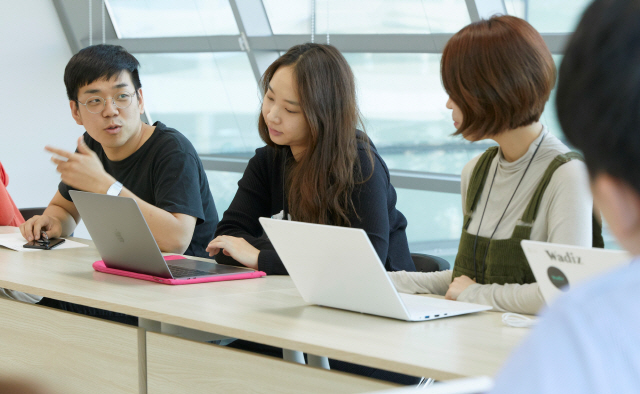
(558, 268)
(338, 267)
(125, 242)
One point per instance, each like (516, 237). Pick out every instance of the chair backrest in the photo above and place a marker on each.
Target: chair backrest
(28, 213)
(429, 263)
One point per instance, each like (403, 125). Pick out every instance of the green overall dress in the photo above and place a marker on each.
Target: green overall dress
(505, 261)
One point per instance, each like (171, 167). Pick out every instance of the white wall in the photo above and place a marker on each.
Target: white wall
(34, 110)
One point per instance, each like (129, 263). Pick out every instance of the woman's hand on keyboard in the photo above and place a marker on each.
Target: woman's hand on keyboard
(237, 248)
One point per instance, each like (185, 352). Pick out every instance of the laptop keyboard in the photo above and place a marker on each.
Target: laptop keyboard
(181, 272)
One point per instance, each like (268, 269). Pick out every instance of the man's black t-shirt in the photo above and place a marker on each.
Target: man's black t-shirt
(165, 172)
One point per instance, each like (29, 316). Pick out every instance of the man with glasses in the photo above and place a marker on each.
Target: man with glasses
(120, 155)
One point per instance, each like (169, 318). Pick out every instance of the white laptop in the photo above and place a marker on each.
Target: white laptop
(558, 268)
(338, 267)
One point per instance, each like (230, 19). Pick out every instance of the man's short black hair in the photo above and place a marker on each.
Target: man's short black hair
(598, 96)
(98, 62)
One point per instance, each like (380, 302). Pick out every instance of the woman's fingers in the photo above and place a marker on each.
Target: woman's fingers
(218, 243)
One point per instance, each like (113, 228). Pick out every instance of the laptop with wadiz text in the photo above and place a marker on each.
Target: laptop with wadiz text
(338, 267)
(128, 248)
(558, 268)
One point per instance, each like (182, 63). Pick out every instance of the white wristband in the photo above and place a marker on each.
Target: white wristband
(115, 189)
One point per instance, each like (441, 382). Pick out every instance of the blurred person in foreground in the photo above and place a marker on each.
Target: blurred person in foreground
(589, 340)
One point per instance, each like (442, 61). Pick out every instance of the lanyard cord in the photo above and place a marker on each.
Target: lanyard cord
(475, 242)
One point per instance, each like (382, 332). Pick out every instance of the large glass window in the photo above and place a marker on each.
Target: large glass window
(212, 98)
(403, 103)
(223, 187)
(367, 16)
(171, 18)
(435, 221)
(549, 16)
(550, 116)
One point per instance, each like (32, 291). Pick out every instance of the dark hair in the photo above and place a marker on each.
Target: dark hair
(321, 182)
(98, 62)
(499, 72)
(598, 97)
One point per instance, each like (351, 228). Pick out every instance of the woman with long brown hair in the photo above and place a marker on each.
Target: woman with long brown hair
(316, 167)
(499, 74)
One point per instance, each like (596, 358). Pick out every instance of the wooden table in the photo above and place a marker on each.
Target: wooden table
(266, 310)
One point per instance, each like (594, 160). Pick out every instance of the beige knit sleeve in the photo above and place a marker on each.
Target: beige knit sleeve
(511, 297)
(568, 205)
(421, 282)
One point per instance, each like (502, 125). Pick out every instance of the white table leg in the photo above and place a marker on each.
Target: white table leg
(149, 325)
(182, 332)
(293, 356)
(318, 361)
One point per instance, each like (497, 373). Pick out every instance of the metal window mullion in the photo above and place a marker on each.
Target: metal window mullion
(74, 42)
(473, 10)
(363, 43)
(252, 20)
(414, 180)
(485, 9)
(270, 46)
(73, 18)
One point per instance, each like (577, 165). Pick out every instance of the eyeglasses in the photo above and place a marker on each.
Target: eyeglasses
(95, 104)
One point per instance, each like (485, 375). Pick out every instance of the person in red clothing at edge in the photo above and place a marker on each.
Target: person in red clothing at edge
(11, 216)
(9, 213)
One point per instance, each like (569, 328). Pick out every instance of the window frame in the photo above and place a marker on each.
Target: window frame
(262, 47)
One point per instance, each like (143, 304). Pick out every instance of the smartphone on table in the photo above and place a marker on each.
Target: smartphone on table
(44, 242)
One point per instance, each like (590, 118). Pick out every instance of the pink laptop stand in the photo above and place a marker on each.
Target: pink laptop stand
(101, 267)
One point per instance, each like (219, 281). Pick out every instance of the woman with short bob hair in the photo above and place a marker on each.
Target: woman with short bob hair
(499, 74)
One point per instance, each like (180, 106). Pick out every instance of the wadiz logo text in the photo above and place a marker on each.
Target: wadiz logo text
(567, 258)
